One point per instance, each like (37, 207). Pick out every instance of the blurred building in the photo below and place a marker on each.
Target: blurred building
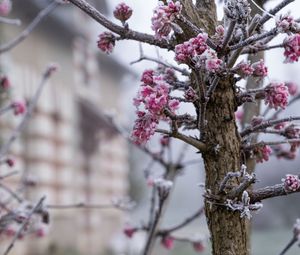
(68, 147)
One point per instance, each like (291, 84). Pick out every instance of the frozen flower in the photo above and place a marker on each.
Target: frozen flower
(163, 16)
(194, 47)
(218, 37)
(122, 12)
(19, 107)
(286, 23)
(244, 69)
(291, 183)
(292, 48)
(259, 69)
(292, 88)
(168, 242)
(291, 132)
(262, 153)
(147, 77)
(144, 127)
(5, 7)
(276, 95)
(106, 42)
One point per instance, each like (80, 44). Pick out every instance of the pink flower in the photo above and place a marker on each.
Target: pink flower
(168, 242)
(4, 82)
(286, 23)
(10, 162)
(292, 88)
(262, 153)
(292, 48)
(144, 128)
(122, 12)
(198, 246)
(291, 183)
(276, 95)
(163, 16)
(164, 141)
(190, 95)
(212, 63)
(5, 7)
(259, 69)
(40, 232)
(218, 37)
(291, 132)
(129, 231)
(244, 69)
(147, 77)
(173, 105)
(194, 47)
(19, 107)
(106, 42)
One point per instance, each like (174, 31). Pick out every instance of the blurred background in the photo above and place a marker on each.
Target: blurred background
(74, 155)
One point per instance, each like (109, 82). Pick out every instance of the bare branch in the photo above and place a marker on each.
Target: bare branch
(42, 14)
(8, 21)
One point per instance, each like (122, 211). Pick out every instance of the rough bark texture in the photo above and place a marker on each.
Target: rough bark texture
(228, 231)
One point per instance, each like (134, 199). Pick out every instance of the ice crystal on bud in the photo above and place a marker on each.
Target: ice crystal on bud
(276, 95)
(286, 23)
(292, 48)
(106, 42)
(5, 7)
(291, 183)
(262, 153)
(259, 69)
(167, 242)
(163, 16)
(122, 12)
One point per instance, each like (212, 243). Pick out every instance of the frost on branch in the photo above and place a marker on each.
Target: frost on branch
(163, 17)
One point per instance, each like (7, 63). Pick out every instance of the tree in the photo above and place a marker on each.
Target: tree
(212, 51)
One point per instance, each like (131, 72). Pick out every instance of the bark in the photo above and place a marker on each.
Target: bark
(229, 234)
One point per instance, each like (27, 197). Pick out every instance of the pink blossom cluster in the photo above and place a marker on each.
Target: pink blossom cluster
(122, 12)
(286, 24)
(292, 88)
(210, 61)
(276, 95)
(196, 46)
(292, 48)
(163, 16)
(244, 69)
(291, 132)
(291, 183)
(262, 153)
(19, 107)
(259, 69)
(154, 97)
(106, 42)
(5, 7)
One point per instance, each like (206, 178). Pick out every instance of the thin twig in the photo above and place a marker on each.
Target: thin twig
(42, 14)
(8, 21)
(120, 30)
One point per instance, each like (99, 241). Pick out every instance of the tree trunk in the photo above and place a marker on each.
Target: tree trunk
(229, 234)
